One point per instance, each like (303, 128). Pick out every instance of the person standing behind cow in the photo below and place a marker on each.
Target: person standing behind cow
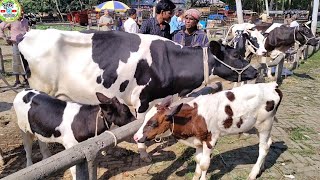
(106, 22)
(176, 21)
(159, 25)
(130, 25)
(191, 36)
(18, 29)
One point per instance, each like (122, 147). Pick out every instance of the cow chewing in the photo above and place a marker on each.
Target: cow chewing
(138, 69)
(67, 123)
(200, 122)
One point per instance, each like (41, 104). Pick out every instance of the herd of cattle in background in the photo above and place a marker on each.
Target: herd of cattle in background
(82, 82)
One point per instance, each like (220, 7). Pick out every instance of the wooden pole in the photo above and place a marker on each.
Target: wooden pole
(314, 16)
(239, 11)
(267, 7)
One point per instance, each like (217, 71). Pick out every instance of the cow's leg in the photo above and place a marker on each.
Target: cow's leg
(265, 142)
(27, 143)
(44, 149)
(142, 148)
(197, 158)
(1, 158)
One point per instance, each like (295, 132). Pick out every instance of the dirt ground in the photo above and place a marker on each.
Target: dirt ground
(295, 152)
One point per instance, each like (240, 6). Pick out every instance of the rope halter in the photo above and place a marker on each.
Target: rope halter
(100, 114)
(307, 39)
(237, 70)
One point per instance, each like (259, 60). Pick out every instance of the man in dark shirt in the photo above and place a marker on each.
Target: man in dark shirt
(159, 25)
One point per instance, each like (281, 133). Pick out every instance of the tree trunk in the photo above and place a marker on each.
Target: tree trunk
(57, 6)
(314, 16)
(239, 11)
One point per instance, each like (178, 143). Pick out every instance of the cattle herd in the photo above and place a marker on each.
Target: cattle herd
(83, 82)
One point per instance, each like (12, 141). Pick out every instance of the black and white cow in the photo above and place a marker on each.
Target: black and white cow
(279, 38)
(138, 69)
(254, 43)
(67, 123)
(200, 122)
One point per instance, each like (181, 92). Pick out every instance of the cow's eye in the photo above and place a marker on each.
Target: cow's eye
(154, 124)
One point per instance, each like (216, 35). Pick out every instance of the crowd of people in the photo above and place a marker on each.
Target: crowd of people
(170, 22)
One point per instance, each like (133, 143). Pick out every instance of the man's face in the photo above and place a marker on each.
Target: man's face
(166, 15)
(190, 21)
(106, 13)
(134, 16)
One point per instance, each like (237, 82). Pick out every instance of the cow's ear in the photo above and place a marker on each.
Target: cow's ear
(166, 102)
(172, 111)
(215, 47)
(102, 98)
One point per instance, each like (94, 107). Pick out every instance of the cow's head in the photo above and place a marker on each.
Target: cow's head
(256, 42)
(113, 111)
(232, 63)
(305, 36)
(159, 123)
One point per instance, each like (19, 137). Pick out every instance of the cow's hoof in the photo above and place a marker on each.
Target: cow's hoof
(145, 157)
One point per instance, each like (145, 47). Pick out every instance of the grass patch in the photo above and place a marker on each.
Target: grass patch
(298, 133)
(61, 27)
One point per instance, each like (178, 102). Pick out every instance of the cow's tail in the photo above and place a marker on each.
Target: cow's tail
(26, 66)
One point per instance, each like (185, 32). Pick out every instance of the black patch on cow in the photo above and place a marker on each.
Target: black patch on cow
(228, 122)
(240, 123)
(270, 105)
(124, 85)
(99, 80)
(45, 115)
(173, 70)
(111, 47)
(142, 74)
(27, 98)
(84, 123)
(230, 96)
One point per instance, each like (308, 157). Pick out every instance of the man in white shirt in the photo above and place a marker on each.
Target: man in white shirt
(130, 24)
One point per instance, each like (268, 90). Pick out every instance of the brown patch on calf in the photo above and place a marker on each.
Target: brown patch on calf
(270, 105)
(230, 96)
(188, 123)
(240, 123)
(228, 122)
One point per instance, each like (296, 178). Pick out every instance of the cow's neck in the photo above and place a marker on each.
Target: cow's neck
(187, 123)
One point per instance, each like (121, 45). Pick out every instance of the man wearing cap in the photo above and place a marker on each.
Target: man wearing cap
(191, 36)
(159, 25)
(130, 25)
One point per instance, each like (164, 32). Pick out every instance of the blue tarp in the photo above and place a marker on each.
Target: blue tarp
(216, 17)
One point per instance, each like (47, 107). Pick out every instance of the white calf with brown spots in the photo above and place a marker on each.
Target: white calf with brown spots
(200, 122)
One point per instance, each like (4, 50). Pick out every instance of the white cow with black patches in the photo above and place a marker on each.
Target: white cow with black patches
(67, 123)
(200, 122)
(137, 69)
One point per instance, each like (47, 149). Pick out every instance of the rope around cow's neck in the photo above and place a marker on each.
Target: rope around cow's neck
(106, 123)
(237, 70)
(157, 140)
(305, 37)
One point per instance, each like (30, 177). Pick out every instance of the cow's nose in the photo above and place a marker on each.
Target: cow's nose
(136, 138)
